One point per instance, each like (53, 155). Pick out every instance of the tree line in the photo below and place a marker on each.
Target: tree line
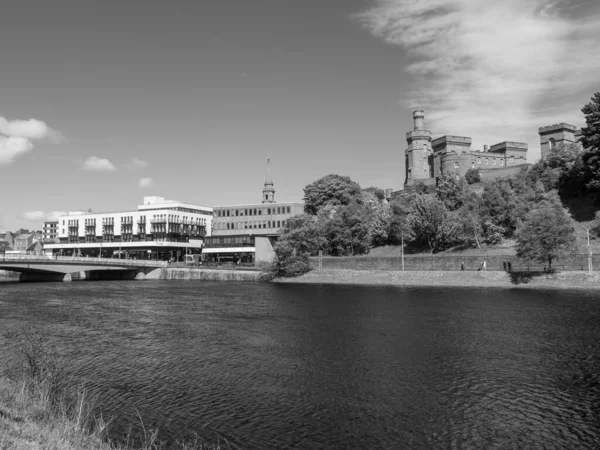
(341, 218)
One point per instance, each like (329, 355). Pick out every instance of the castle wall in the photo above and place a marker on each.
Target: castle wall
(501, 172)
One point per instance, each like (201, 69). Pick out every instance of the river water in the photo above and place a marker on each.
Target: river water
(307, 366)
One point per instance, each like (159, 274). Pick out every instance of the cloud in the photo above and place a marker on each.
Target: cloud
(138, 164)
(146, 183)
(493, 70)
(41, 216)
(16, 137)
(96, 164)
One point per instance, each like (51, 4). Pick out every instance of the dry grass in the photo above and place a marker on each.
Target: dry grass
(41, 408)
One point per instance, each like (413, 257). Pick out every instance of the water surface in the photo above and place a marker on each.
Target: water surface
(308, 366)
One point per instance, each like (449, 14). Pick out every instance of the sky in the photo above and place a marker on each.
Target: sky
(103, 103)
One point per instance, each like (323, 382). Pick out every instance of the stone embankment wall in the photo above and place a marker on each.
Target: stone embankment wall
(207, 274)
(448, 262)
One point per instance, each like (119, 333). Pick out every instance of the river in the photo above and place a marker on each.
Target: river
(270, 366)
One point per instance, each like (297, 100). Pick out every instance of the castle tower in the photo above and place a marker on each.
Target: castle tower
(269, 189)
(417, 158)
(559, 134)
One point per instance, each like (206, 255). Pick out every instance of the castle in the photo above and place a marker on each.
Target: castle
(427, 159)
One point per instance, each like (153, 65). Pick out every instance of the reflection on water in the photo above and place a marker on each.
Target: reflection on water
(269, 366)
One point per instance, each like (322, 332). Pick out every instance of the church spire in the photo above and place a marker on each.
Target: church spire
(269, 189)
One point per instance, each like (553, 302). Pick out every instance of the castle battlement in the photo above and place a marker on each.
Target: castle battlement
(508, 145)
(448, 139)
(557, 127)
(418, 134)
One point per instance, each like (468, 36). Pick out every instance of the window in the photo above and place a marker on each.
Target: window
(456, 164)
(478, 160)
(494, 162)
(289, 210)
(486, 161)
(551, 143)
(501, 162)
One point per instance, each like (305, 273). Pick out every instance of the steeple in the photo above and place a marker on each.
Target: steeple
(268, 190)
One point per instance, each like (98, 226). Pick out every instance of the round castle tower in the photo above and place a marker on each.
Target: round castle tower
(418, 166)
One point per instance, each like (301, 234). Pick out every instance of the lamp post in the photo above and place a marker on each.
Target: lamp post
(589, 252)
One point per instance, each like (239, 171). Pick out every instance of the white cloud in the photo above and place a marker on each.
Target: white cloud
(146, 183)
(493, 70)
(12, 147)
(138, 163)
(35, 216)
(41, 216)
(98, 164)
(16, 137)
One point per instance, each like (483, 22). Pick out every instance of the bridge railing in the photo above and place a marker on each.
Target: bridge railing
(79, 259)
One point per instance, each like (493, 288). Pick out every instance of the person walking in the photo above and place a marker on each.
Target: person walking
(462, 266)
(504, 265)
(509, 266)
(483, 266)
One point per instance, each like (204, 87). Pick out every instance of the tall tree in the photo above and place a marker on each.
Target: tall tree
(330, 190)
(547, 232)
(305, 234)
(432, 223)
(590, 139)
(590, 134)
(451, 191)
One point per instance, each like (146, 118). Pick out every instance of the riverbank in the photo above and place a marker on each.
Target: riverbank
(570, 280)
(27, 422)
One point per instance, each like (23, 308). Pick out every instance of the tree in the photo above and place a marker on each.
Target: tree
(348, 232)
(330, 190)
(469, 218)
(432, 223)
(305, 234)
(289, 262)
(547, 232)
(590, 135)
(590, 140)
(378, 192)
(472, 176)
(451, 191)
(498, 205)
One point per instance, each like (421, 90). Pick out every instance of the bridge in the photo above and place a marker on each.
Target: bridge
(67, 268)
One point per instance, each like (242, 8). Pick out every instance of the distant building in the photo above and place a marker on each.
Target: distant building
(50, 232)
(159, 229)
(246, 232)
(22, 242)
(426, 159)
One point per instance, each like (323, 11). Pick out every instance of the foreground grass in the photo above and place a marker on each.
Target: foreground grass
(41, 408)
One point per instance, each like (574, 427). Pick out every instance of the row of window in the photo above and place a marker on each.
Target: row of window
(230, 240)
(129, 220)
(253, 211)
(253, 224)
(182, 209)
(486, 161)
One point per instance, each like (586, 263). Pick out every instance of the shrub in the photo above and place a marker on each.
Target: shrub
(289, 262)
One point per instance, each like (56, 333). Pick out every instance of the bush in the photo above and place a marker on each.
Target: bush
(289, 262)
(472, 176)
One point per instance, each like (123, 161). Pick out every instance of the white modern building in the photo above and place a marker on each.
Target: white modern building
(159, 229)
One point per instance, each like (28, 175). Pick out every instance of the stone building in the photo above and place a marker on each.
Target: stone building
(558, 134)
(427, 159)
